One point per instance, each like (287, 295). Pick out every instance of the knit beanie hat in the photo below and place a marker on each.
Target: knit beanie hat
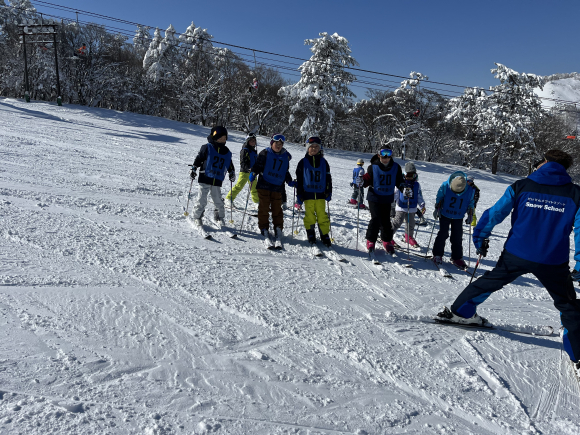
(217, 132)
(410, 167)
(458, 184)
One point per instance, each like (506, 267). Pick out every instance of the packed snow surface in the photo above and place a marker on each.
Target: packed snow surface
(566, 91)
(117, 318)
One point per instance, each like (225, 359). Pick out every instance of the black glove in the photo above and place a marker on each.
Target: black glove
(232, 176)
(436, 213)
(483, 249)
(193, 173)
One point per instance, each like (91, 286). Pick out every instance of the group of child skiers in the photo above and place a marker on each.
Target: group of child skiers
(388, 187)
(394, 197)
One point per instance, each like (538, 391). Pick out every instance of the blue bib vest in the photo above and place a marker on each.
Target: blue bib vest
(356, 172)
(384, 181)
(454, 205)
(314, 178)
(217, 164)
(276, 167)
(412, 202)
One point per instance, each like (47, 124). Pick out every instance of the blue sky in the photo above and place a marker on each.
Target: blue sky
(450, 41)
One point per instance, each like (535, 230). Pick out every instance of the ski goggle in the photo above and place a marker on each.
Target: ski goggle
(278, 137)
(385, 152)
(314, 139)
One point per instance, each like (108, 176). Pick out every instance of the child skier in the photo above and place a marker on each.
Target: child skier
(470, 181)
(383, 174)
(314, 189)
(214, 159)
(248, 156)
(272, 167)
(357, 174)
(407, 201)
(454, 199)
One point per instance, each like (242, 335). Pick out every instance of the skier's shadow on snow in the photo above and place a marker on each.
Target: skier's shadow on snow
(149, 136)
(38, 114)
(528, 339)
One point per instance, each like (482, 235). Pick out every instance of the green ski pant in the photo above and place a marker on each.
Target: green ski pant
(243, 178)
(315, 211)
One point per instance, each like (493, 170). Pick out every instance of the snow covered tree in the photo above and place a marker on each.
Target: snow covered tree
(141, 40)
(406, 112)
(21, 10)
(161, 58)
(323, 85)
(511, 114)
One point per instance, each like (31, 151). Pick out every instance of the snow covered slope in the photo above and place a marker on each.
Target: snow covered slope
(116, 318)
(566, 89)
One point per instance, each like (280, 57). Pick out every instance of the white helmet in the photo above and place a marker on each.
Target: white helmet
(360, 162)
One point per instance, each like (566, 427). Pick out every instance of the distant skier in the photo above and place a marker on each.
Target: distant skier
(248, 157)
(454, 199)
(545, 208)
(356, 184)
(82, 51)
(470, 182)
(383, 174)
(272, 166)
(214, 159)
(314, 189)
(408, 199)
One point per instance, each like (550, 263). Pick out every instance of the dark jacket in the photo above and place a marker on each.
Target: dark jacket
(545, 208)
(245, 156)
(201, 160)
(475, 196)
(258, 168)
(315, 162)
(368, 180)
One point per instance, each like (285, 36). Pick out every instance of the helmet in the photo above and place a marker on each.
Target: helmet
(360, 162)
(312, 140)
(470, 178)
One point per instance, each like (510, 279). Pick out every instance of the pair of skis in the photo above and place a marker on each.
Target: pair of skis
(327, 251)
(218, 226)
(273, 245)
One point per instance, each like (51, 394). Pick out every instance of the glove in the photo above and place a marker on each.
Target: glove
(232, 177)
(483, 249)
(436, 213)
(193, 173)
(575, 275)
(470, 212)
(423, 209)
(299, 200)
(408, 192)
(328, 198)
(293, 183)
(252, 177)
(351, 184)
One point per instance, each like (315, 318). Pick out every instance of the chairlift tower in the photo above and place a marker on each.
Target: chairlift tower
(37, 31)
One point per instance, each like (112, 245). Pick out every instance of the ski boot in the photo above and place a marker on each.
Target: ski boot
(411, 241)
(362, 206)
(311, 235)
(326, 240)
(389, 247)
(437, 260)
(459, 263)
(370, 246)
(447, 316)
(353, 201)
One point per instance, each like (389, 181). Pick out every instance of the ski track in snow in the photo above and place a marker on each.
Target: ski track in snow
(118, 318)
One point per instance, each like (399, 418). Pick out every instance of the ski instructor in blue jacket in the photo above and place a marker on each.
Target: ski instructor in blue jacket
(545, 207)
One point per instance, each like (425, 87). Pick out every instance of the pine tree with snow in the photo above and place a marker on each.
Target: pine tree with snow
(21, 10)
(511, 115)
(323, 88)
(141, 40)
(161, 58)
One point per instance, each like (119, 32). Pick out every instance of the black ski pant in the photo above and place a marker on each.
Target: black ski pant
(380, 221)
(456, 237)
(555, 278)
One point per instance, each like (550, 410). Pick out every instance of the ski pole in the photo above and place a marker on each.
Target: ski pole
(231, 202)
(469, 244)
(357, 216)
(188, 196)
(245, 209)
(299, 213)
(432, 230)
(293, 210)
(476, 264)
(408, 230)
(329, 222)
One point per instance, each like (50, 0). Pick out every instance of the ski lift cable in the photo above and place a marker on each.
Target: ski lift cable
(106, 17)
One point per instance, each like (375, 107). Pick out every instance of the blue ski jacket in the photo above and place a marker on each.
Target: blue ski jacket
(545, 207)
(467, 196)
